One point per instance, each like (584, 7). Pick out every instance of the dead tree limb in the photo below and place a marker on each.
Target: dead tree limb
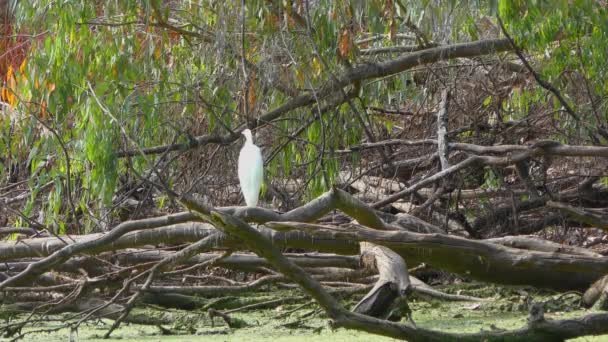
(245, 261)
(393, 281)
(478, 259)
(481, 260)
(442, 129)
(537, 244)
(595, 292)
(359, 73)
(333, 199)
(522, 154)
(538, 329)
(208, 290)
(24, 231)
(555, 149)
(582, 215)
(65, 253)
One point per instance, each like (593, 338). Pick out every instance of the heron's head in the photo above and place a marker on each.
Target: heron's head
(247, 134)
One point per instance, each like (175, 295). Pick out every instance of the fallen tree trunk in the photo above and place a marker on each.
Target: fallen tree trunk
(247, 261)
(173, 234)
(537, 244)
(476, 259)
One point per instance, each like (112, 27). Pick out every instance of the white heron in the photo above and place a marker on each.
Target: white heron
(251, 170)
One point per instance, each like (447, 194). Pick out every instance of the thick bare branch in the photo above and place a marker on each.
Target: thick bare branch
(586, 216)
(552, 148)
(543, 147)
(537, 244)
(65, 253)
(393, 281)
(216, 290)
(359, 73)
(478, 259)
(437, 176)
(245, 261)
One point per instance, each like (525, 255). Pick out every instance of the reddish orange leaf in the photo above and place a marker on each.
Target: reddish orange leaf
(345, 44)
(389, 9)
(392, 33)
(22, 66)
(43, 109)
(251, 95)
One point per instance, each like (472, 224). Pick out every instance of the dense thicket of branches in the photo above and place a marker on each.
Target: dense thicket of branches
(469, 138)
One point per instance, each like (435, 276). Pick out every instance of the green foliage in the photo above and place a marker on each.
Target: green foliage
(110, 76)
(571, 36)
(492, 181)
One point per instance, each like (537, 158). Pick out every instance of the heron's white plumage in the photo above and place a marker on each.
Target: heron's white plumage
(251, 170)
